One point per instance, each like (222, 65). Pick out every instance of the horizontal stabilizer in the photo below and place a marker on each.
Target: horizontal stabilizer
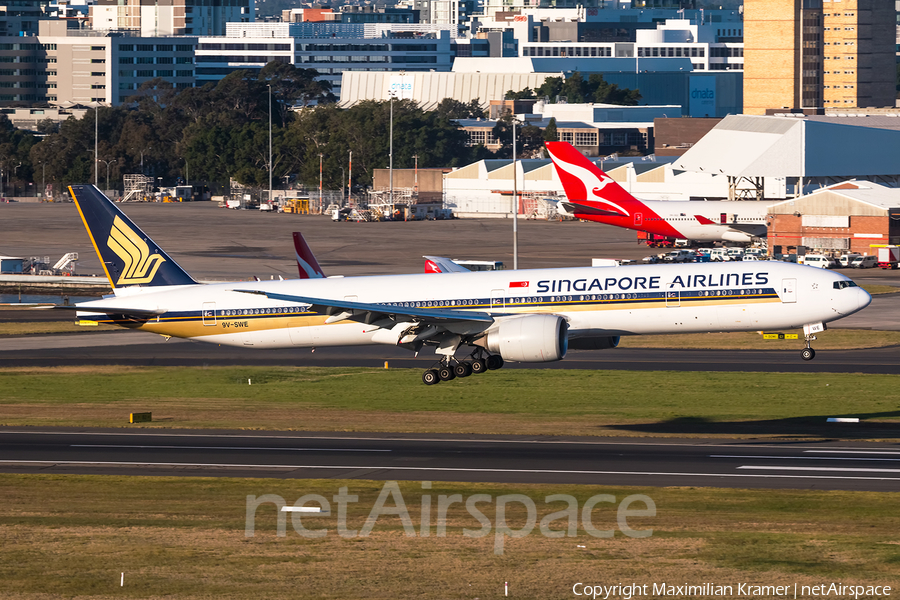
(576, 208)
(114, 310)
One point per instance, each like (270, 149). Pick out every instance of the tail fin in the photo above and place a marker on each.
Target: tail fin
(585, 184)
(440, 264)
(128, 255)
(306, 261)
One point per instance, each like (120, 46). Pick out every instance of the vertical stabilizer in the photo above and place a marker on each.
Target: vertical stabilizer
(306, 261)
(586, 184)
(128, 255)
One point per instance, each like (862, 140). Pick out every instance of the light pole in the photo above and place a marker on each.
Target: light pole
(391, 152)
(343, 179)
(43, 180)
(96, 139)
(416, 181)
(14, 173)
(108, 163)
(350, 178)
(320, 180)
(515, 202)
(270, 142)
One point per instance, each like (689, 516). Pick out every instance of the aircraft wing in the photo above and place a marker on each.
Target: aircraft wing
(339, 310)
(113, 310)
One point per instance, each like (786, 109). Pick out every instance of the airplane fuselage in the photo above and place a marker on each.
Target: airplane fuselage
(595, 301)
(739, 221)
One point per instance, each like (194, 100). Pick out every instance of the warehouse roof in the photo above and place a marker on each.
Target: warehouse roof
(771, 146)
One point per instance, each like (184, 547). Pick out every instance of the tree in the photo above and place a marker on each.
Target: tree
(454, 109)
(576, 90)
(525, 94)
(550, 132)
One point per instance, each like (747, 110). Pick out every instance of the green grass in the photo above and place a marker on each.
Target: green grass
(509, 401)
(72, 536)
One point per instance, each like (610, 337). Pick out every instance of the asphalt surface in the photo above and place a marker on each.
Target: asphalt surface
(214, 243)
(140, 348)
(717, 463)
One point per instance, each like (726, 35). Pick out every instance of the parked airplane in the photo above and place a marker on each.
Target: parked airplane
(594, 196)
(524, 316)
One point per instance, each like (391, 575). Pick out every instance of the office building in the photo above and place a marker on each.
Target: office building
(809, 54)
(62, 65)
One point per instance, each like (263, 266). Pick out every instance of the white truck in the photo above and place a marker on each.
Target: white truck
(889, 257)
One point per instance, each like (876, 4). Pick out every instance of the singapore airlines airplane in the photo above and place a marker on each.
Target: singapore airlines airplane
(594, 196)
(524, 316)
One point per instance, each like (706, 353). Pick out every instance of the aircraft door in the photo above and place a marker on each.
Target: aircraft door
(673, 297)
(498, 300)
(788, 290)
(208, 311)
(638, 219)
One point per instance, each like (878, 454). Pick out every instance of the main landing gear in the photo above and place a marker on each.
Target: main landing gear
(451, 368)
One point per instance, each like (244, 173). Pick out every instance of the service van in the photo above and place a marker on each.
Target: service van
(818, 260)
(865, 262)
(845, 259)
(719, 254)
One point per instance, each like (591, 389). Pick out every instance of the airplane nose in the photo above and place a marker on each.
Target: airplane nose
(865, 298)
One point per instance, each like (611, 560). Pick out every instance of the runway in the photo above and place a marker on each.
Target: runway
(612, 461)
(147, 349)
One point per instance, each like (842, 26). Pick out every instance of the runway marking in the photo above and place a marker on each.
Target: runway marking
(763, 456)
(229, 448)
(849, 452)
(840, 469)
(389, 439)
(369, 468)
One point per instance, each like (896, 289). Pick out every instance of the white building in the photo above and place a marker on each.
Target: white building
(330, 48)
(171, 17)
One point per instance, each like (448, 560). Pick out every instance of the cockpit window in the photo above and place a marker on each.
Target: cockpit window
(839, 285)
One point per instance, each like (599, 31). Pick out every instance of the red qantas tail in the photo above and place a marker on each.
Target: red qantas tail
(585, 184)
(306, 262)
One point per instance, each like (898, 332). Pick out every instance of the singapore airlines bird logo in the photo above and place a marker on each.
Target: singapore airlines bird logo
(140, 264)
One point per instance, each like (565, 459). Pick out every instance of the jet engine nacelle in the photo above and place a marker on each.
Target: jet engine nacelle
(737, 236)
(532, 338)
(594, 343)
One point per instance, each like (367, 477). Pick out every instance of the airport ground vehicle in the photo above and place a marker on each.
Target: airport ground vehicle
(865, 262)
(719, 255)
(818, 260)
(845, 259)
(679, 256)
(889, 257)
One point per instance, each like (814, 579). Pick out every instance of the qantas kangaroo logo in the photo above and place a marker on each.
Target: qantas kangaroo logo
(592, 180)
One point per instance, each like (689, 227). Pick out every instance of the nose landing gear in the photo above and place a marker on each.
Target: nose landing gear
(808, 353)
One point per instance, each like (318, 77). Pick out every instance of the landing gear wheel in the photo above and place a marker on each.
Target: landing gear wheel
(446, 374)
(494, 362)
(462, 369)
(430, 377)
(479, 366)
(808, 353)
